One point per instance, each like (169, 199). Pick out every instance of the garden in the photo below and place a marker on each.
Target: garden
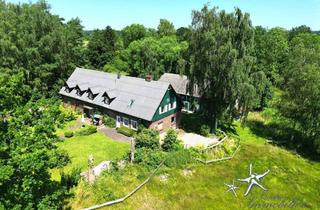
(80, 141)
(182, 173)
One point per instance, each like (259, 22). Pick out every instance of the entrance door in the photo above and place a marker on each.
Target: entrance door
(118, 124)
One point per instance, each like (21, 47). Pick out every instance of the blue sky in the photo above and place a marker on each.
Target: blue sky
(120, 13)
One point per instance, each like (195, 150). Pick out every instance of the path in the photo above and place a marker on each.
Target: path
(112, 133)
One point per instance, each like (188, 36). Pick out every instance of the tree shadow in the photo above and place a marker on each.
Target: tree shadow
(283, 135)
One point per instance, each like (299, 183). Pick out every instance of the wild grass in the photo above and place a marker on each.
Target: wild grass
(291, 178)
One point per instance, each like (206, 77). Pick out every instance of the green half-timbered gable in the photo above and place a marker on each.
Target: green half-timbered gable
(170, 104)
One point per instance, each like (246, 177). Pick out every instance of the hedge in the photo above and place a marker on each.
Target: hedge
(126, 131)
(109, 121)
(87, 130)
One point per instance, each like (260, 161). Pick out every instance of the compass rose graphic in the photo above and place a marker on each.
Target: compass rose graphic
(231, 187)
(253, 179)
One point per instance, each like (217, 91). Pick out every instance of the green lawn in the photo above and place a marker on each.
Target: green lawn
(99, 145)
(291, 179)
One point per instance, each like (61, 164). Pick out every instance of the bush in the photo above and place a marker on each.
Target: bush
(126, 131)
(205, 130)
(68, 134)
(171, 141)
(148, 138)
(67, 114)
(87, 130)
(149, 157)
(109, 121)
(72, 179)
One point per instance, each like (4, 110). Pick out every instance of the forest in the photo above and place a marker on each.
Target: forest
(238, 68)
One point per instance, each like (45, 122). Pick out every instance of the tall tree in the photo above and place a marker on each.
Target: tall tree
(298, 30)
(101, 47)
(132, 33)
(271, 49)
(165, 28)
(221, 50)
(37, 43)
(300, 100)
(155, 56)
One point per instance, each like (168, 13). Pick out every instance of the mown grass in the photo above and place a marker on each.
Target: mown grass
(291, 179)
(80, 147)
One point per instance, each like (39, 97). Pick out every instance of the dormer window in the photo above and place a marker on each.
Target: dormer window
(90, 95)
(106, 99)
(79, 93)
(67, 89)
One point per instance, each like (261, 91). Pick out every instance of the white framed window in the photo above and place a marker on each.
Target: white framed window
(172, 105)
(165, 108)
(134, 125)
(125, 122)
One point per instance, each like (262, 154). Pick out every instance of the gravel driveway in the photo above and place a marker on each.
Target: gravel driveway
(192, 140)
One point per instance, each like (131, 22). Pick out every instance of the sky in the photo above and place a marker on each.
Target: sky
(120, 13)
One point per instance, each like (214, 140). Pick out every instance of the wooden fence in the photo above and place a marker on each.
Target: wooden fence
(120, 200)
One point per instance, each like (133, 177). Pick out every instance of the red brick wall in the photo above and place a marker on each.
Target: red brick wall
(166, 122)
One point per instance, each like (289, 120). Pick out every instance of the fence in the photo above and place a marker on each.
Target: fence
(120, 200)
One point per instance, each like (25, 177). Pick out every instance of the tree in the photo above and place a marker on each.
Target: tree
(132, 33)
(155, 56)
(26, 157)
(271, 51)
(300, 100)
(171, 141)
(165, 28)
(299, 30)
(221, 49)
(38, 44)
(101, 47)
(183, 34)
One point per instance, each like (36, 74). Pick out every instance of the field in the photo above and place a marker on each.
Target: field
(293, 182)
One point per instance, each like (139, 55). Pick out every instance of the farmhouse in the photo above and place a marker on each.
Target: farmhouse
(129, 100)
(180, 84)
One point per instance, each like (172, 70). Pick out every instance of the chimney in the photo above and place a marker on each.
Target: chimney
(148, 78)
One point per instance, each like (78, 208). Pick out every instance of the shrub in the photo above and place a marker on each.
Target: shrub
(109, 121)
(87, 130)
(149, 157)
(205, 130)
(148, 138)
(67, 114)
(126, 131)
(71, 179)
(171, 141)
(68, 134)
